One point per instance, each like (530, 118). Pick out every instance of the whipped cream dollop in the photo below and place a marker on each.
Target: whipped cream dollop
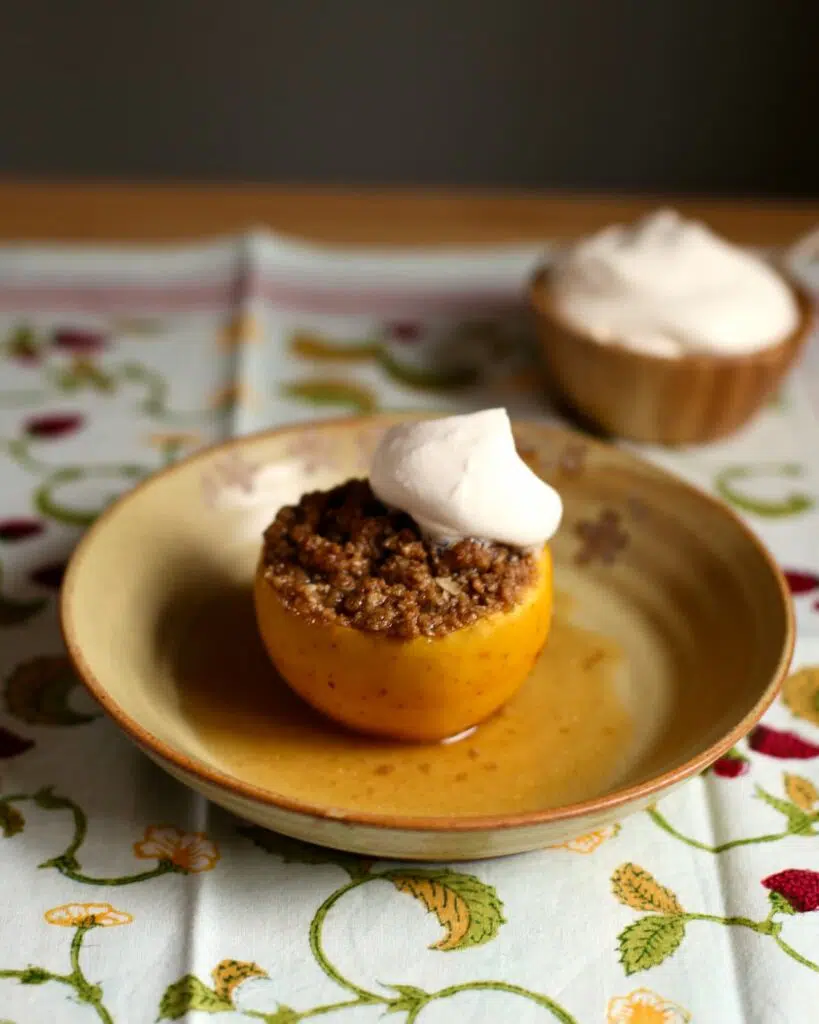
(670, 286)
(461, 477)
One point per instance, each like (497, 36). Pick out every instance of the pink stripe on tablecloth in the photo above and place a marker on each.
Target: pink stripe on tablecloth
(289, 296)
(112, 298)
(385, 300)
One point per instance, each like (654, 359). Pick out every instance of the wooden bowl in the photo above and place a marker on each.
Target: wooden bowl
(672, 630)
(657, 399)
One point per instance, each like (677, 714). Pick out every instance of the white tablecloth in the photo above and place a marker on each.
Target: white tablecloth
(125, 898)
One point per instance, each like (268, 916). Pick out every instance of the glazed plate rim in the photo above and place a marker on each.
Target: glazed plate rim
(607, 804)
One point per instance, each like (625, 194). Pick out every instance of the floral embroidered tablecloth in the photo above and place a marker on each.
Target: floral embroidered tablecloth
(125, 898)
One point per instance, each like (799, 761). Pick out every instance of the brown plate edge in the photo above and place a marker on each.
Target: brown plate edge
(608, 803)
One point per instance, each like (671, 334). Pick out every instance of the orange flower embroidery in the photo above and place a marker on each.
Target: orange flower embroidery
(190, 852)
(645, 1007)
(589, 842)
(87, 915)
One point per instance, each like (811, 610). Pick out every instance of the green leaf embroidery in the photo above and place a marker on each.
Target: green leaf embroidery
(793, 504)
(292, 851)
(12, 821)
(649, 941)
(23, 343)
(284, 1015)
(344, 393)
(449, 379)
(34, 976)
(83, 373)
(411, 999)
(640, 890)
(189, 993)
(37, 692)
(780, 904)
(799, 823)
(467, 908)
(312, 346)
(65, 862)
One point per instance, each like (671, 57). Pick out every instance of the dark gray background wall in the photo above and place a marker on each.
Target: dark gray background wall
(693, 95)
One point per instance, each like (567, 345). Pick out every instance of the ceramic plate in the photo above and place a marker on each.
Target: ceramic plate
(672, 632)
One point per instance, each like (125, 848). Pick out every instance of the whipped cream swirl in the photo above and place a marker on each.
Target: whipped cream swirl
(670, 286)
(461, 477)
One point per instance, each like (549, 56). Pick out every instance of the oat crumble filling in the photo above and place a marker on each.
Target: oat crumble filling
(343, 557)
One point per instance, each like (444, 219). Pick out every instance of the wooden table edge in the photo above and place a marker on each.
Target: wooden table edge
(110, 211)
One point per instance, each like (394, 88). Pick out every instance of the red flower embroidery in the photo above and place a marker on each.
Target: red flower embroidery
(731, 765)
(798, 886)
(75, 340)
(801, 582)
(50, 576)
(12, 745)
(19, 529)
(53, 425)
(776, 743)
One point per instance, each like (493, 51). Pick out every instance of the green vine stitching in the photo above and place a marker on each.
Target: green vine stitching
(650, 940)
(56, 477)
(84, 990)
(67, 863)
(82, 373)
(468, 908)
(793, 504)
(800, 822)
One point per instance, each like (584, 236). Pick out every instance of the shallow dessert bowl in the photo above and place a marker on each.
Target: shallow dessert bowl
(672, 633)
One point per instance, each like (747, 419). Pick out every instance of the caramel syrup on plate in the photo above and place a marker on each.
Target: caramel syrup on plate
(563, 738)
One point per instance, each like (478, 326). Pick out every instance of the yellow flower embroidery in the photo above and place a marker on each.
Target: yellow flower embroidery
(589, 842)
(244, 328)
(645, 1007)
(87, 915)
(189, 851)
